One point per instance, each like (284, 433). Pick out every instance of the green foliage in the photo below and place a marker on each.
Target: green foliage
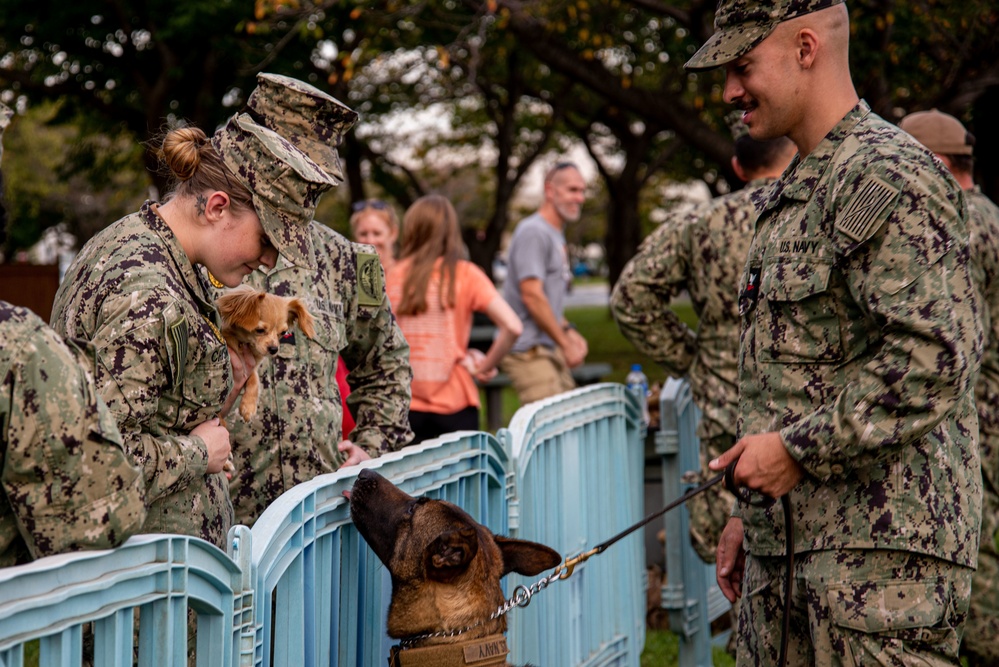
(58, 173)
(506, 84)
(919, 54)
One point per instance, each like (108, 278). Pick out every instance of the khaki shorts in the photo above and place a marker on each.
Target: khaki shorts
(538, 373)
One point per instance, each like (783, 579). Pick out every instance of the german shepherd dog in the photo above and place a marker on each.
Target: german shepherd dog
(446, 571)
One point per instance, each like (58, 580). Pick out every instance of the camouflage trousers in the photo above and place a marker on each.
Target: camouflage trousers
(855, 608)
(981, 635)
(709, 511)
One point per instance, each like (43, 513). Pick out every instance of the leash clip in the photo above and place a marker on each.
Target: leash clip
(571, 563)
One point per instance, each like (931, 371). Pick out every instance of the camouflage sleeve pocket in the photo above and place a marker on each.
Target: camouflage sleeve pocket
(175, 335)
(370, 284)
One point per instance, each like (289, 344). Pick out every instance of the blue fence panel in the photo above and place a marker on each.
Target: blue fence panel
(578, 481)
(322, 595)
(691, 594)
(302, 587)
(159, 577)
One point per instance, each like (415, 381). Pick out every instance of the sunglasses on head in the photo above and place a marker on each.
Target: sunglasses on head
(376, 204)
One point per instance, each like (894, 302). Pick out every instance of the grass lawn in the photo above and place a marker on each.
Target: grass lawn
(662, 649)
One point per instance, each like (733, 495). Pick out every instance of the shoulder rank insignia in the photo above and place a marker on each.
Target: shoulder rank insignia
(369, 280)
(866, 209)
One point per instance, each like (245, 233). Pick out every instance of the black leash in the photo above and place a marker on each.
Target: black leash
(729, 478)
(523, 594)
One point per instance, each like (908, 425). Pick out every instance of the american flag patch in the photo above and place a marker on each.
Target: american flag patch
(857, 221)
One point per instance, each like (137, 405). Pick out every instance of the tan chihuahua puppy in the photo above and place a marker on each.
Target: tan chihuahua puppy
(259, 320)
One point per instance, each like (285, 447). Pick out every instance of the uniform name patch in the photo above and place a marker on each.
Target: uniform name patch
(798, 246)
(865, 209)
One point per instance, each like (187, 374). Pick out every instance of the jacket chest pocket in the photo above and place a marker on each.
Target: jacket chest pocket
(798, 320)
(309, 364)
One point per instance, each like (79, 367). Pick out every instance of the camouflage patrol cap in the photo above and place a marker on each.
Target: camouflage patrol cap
(285, 183)
(742, 24)
(939, 132)
(304, 115)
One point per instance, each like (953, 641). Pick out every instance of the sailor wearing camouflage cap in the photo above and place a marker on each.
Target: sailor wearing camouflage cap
(947, 137)
(861, 339)
(742, 24)
(296, 433)
(134, 291)
(286, 184)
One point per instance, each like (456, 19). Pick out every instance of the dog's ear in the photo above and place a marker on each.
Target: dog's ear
(449, 555)
(241, 307)
(527, 558)
(298, 312)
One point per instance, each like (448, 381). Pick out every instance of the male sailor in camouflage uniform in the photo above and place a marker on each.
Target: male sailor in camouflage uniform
(954, 146)
(862, 340)
(296, 433)
(701, 251)
(163, 366)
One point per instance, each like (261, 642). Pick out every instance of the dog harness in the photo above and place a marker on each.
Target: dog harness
(481, 652)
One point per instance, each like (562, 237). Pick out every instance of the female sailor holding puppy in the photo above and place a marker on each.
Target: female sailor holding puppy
(135, 292)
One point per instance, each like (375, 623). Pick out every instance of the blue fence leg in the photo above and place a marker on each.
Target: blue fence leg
(690, 594)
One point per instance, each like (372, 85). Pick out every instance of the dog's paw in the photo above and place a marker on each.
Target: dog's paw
(247, 409)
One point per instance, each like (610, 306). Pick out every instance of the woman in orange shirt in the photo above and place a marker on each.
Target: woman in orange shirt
(434, 292)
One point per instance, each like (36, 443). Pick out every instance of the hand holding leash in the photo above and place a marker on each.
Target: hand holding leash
(764, 465)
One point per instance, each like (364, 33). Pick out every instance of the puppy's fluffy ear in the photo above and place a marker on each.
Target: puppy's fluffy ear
(449, 555)
(241, 307)
(298, 312)
(527, 558)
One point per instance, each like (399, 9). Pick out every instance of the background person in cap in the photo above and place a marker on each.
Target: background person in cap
(296, 433)
(862, 338)
(134, 291)
(946, 136)
(701, 251)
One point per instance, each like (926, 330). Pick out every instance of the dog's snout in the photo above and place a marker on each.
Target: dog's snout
(272, 349)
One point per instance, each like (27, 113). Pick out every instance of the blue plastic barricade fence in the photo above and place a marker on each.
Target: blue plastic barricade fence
(160, 577)
(301, 587)
(577, 482)
(691, 594)
(322, 595)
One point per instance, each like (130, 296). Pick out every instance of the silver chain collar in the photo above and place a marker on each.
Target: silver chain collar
(521, 598)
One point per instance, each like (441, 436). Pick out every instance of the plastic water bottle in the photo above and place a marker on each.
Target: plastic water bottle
(637, 383)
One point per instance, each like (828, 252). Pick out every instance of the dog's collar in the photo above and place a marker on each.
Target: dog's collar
(481, 652)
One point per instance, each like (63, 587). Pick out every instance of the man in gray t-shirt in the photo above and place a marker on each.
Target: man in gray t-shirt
(536, 286)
